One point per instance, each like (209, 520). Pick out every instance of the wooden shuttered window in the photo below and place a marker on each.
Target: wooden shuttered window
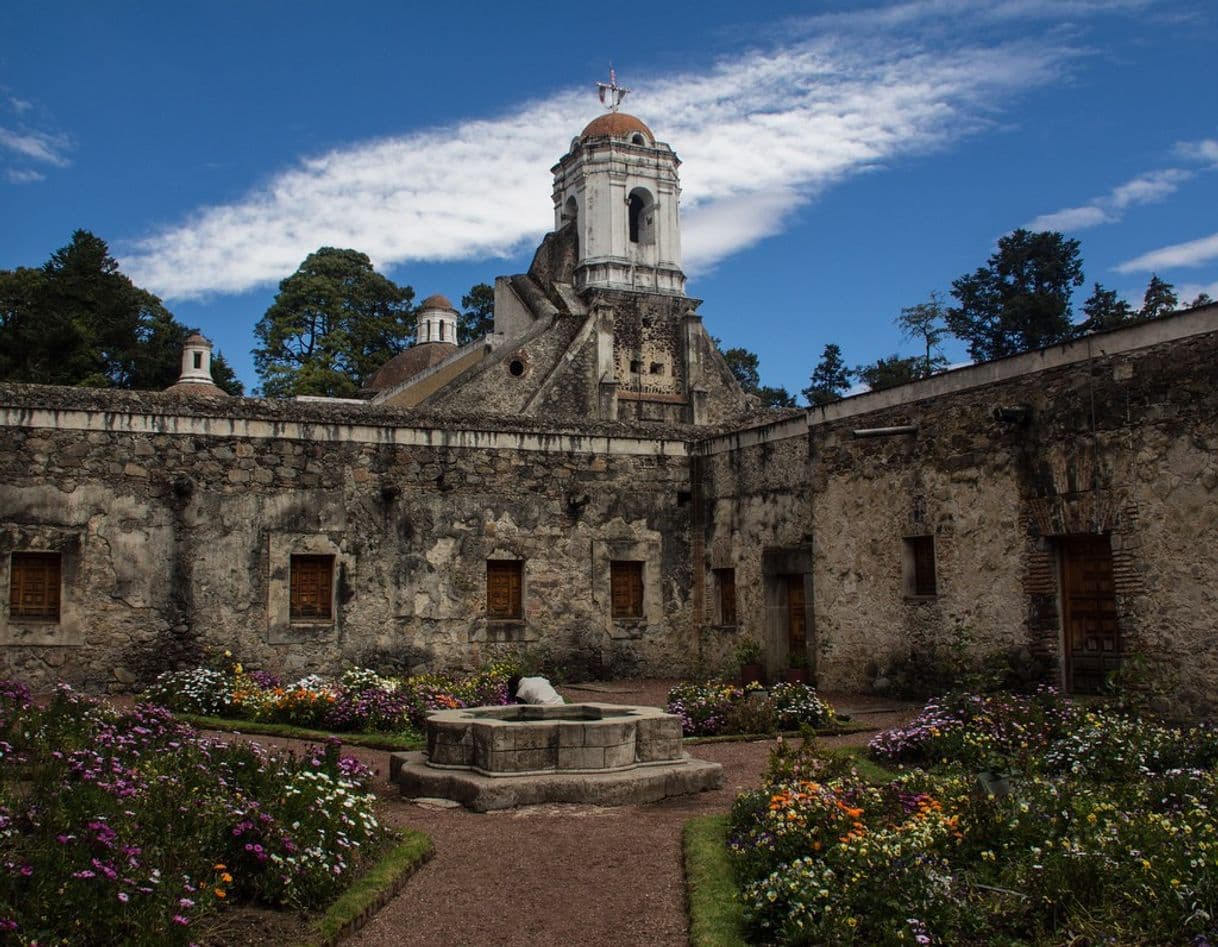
(34, 586)
(922, 560)
(626, 589)
(312, 588)
(726, 580)
(504, 581)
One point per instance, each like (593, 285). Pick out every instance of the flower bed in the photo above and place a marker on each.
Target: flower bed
(712, 709)
(1106, 831)
(358, 701)
(127, 828)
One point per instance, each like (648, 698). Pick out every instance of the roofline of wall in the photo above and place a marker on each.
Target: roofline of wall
(390, 435)
(1182, 325)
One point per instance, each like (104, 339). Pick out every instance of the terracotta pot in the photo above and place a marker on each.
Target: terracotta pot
(750, 673)
(795, 675)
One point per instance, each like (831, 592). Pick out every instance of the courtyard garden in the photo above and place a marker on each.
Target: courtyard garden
(1001, 819)
(131, 828)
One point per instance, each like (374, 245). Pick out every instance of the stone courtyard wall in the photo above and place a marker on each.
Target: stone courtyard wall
(175, 529)
(1114, 434)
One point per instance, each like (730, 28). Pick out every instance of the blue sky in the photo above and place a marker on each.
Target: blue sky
(840, 160)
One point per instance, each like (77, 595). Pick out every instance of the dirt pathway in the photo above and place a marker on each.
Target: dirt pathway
(563, 874)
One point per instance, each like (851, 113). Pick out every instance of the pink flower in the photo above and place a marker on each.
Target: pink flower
(179, 920)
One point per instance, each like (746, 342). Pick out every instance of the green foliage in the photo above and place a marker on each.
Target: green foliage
(745, 366)
(1159, 300)
(1104, 310)
(478, 313)
(1020, 300)
(77, 320)
(890, 372)
(332, 324)
(1201, 299)
(830, 378)
(924, 322)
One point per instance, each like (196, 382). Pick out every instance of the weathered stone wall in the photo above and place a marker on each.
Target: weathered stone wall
(176, 541)
(1120, 437)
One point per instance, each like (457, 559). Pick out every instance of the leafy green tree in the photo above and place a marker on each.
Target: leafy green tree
(1203, 299)
(478, 313)
(745, 367)
(77, 320)
(775, 397)
(1021, 299)
(1104, 310)
(925, 323)
(892, 371)
(332, 324)
(830, 378)
(1160, 299)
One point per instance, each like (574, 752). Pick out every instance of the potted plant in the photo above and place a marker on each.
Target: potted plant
(748, 654)
(797, 667)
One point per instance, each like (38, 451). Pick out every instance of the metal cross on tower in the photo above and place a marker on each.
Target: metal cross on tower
(611, 94)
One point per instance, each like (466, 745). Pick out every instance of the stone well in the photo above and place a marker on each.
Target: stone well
(602, 754)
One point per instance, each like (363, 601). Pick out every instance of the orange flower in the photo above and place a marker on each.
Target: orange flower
(221, 893)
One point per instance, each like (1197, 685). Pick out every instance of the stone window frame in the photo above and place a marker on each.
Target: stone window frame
(512, 568)
(919, 567)
(282, 628)
(647, 551)
(67, 630)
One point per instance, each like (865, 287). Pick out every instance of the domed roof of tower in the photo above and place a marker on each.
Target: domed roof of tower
(616, 125)
(413, 361)
(195, 339)
(436, 301)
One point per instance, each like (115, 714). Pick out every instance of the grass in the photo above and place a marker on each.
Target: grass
(408, 740)
(373, 889)
(715, 915)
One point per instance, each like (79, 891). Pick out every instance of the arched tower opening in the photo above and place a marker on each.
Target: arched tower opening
(641, 216)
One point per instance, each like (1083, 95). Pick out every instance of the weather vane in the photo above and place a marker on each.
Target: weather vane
(610, 92)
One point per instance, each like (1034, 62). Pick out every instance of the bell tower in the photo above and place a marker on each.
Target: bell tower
(619, 187)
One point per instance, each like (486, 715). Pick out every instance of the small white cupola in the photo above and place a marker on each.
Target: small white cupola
(195, 378)
(619, 188)
(196, 361)
(437, 321)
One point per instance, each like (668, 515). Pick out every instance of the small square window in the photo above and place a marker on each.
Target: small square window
(726, 580)
(626, 589)
(312, 588)
(504, 583)
(919, 566)
(33, 588)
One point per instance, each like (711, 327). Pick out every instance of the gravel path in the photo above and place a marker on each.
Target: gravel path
(567, 874)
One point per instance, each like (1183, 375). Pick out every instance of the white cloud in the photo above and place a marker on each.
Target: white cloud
(37, 146)
(1204, 151)
(1144, 189)
(1192, 253)
(24, 175)
(759, 135)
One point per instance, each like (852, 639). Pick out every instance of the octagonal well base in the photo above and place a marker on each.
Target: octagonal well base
(482, 793)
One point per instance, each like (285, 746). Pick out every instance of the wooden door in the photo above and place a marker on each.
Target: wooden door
(1089, 618)
(797, 619)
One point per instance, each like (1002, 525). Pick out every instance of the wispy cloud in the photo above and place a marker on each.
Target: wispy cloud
(760, 135)
(37, 146)
(24, 175)
(1192, 253)
(1144, 189)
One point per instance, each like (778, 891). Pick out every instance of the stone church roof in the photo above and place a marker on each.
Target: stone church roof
(436, 301)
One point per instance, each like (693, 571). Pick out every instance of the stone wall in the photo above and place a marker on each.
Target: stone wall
(1116, 434)
(176, 541)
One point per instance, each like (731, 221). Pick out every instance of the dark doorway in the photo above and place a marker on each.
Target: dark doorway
(1091, 639)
